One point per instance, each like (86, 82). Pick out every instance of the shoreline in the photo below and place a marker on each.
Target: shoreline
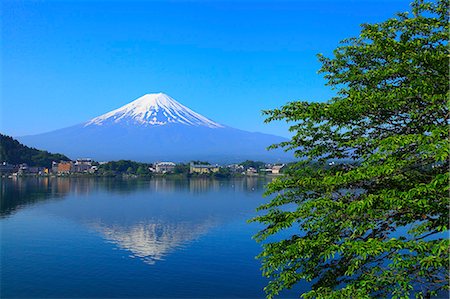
(133, 176)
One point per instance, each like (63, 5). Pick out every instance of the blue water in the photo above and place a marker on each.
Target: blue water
(169, 238)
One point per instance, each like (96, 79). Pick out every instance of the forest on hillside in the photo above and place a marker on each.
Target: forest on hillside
(13, 152)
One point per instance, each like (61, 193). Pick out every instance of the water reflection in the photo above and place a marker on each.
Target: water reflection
(19, 192)
(152, 241)
(147, 218)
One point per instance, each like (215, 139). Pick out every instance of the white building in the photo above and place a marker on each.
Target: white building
(164, 167)
(277, 168)
(83, 165)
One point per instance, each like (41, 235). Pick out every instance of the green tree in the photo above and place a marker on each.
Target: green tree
(255, 164)
(223, 172)
(375, 225)
(13, 152)
(142, 171)
(181, 168)
(198, 162)
(124, 166)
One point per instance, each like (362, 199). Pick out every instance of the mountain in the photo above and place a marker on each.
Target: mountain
(155, 127)
(153, 110)
(11, 151)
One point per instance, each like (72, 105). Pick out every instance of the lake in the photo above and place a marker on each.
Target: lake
(102, 237)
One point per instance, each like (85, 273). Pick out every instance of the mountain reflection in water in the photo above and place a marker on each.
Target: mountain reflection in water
(152, 241)
(147, 218)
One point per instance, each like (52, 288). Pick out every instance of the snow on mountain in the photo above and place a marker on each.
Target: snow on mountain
(155, 127)
(153, 110)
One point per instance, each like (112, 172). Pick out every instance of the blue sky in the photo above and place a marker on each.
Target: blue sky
(64, 62)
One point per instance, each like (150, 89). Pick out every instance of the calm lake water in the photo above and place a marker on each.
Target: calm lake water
(169, 238)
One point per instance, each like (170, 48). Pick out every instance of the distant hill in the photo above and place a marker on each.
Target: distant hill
(13, 152)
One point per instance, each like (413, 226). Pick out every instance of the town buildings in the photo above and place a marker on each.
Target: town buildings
(82, 165)
(88, 166)
(203, 168)
(164, 167)
(64, 167)
(276, 169)
(6, 168)
(251, 171)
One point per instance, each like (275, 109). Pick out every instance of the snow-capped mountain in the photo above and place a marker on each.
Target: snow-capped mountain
(153, 109)
(156, 127)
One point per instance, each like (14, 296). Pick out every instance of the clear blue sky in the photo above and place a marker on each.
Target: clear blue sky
(64, 62)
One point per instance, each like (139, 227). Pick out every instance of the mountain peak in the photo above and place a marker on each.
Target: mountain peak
(154, 99)
(153, 109)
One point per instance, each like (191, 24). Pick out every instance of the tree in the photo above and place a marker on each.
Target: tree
(224, 172)
(375, 225)
(13, 152)
(181, 168)
(142, 171)
(124, 166)
(198, 162)
(254, 164)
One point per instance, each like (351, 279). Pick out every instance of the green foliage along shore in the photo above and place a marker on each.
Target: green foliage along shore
(254, 164)
(13, 152)
(124, 167)
(376, 226)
